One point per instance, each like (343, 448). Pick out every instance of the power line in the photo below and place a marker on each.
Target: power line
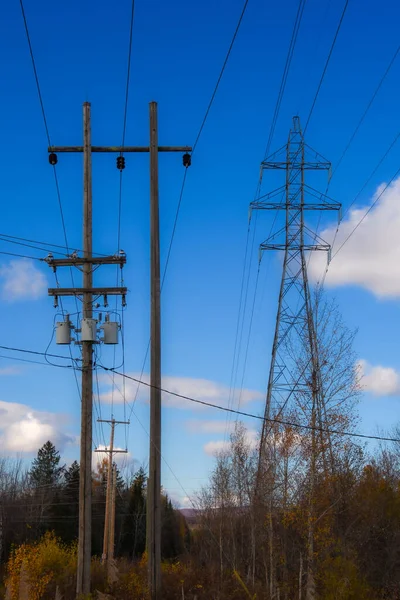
(194, 146)
(28, 245)
(22, 256)
(367, 212)
(54, 167)
(259, 417)
(35, 362)
(367, 108)
(236, 353)
(396, 138)
(220, 75)
(26, 351)
(326, 64)
(352, 137)
(35, 72)
(128, 71)
(22, 239)
(285, 73)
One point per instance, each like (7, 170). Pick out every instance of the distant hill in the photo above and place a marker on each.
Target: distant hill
(191, 515)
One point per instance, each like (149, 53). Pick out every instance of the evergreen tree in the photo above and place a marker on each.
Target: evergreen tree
(45, 470)
(171, 538)
(133, 539)
(69, 504)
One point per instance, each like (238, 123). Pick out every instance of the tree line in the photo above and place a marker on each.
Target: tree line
(310, 514)
(46, 498)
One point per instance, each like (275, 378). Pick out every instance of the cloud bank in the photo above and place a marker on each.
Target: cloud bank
(20, 279)
(200, 389)
(371, 257)
(25, 430)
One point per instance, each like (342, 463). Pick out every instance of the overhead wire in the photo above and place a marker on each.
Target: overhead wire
(184, 179)
(220, 75)
(60, 206)
(289, 57)
(119, 271)
(381, 160)
(367, 108)
(326, 64)
(350, 141)
(21, 256)
(241, 317)
(259, 417)
(22, 239)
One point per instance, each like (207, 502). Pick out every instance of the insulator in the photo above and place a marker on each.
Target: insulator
(105, 303)
(187, 160)
(53, 158)
(123, 300)
(55, 301)
(121, 163)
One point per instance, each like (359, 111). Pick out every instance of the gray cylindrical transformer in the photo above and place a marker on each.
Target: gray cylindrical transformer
(63, 332)
(110, 329)
(88, 330)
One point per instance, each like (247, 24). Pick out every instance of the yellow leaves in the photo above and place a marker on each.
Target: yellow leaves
(41, 562)
(243, 585)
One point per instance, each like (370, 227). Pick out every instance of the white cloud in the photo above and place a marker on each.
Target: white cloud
(119, 458)
(186, 502)
(200, 389)
(11, 370)
(198, 426)
(380, 381)
(21, 279)
(215, 447)
(25, 430)
(371, 257)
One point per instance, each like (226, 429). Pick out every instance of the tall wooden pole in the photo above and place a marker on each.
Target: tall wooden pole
(107, 519)
(154, 491)
(85, 480)
(111, 541)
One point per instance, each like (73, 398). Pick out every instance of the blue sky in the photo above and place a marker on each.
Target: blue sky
(178, 49)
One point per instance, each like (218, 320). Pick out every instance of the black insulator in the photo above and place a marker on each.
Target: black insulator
(53, 159)
(121, 163)
(187, 160)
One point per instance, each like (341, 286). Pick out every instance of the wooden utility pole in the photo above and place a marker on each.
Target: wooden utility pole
(86, 263)
(154, 485)
(153, 532)
(111, 543)
(108, 494)
(85, 480)
(109, 518)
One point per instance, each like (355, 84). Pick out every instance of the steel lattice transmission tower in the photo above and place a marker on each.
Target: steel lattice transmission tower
(295, 311)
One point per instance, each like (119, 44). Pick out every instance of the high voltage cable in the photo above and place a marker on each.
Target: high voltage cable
(366, 213)
(352, 137)
(43, 115)
(54, 166)
(220, 75)
(128, 74)
(248, 337)
(28, 245)
(22, 256)
(35, 362)
(326, 64)
(25, 351)
(355, 199)
(367, 108)
(259, 417)
(285, 73)
(292, 44)
(22, 239)
(194, 146)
